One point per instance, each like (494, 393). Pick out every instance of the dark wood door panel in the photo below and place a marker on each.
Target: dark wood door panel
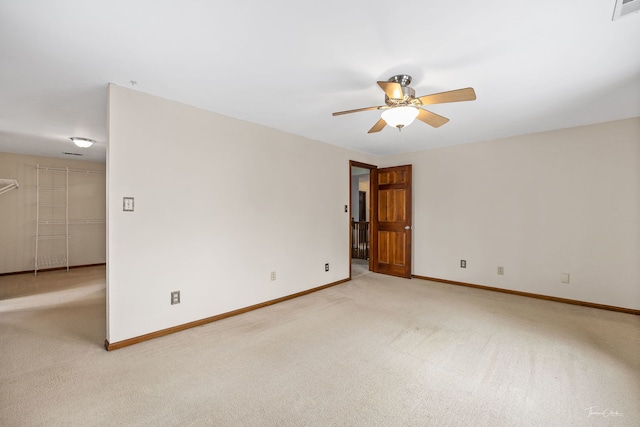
(390, 176)
(392, 205)
(392, 221)
(392, 250)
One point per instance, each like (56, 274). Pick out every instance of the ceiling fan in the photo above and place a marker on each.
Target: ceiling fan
(402, 107)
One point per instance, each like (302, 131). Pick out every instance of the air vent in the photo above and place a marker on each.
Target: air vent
(625, 7)
(72, 154)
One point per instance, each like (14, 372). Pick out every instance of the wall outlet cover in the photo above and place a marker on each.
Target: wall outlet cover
(127, 204)
(175, 297)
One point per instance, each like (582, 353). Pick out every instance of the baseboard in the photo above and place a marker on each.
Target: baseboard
(185, 326)
(537, 296)
(42, 270)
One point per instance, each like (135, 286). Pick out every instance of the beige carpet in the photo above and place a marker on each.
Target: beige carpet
(376, 351)
(359, 267)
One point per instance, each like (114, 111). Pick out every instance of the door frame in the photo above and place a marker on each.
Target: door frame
(352, 164)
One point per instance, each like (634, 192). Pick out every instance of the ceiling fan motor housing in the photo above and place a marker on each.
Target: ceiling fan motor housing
(408, 98)
(408, 94)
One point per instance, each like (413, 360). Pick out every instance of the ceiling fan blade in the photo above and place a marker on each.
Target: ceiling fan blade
(339, 113)
(378, 126)
(392, 89)
(467, 94)
(430, 118)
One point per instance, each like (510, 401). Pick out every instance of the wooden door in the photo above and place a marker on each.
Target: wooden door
(391, 221)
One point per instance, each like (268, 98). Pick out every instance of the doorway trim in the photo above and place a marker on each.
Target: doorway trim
(352, 164)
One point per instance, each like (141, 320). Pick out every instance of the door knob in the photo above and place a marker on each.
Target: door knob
(407, 227)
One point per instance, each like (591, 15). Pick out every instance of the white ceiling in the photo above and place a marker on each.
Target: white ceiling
(535, 66)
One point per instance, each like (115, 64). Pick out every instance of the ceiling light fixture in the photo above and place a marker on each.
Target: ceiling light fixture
(82, 142)
(399, 117)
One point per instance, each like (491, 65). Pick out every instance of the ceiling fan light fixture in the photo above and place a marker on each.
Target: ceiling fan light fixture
(402, 107)
(82, 142)
(399, 117)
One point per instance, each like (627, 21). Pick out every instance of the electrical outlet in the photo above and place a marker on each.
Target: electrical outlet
(564, 278)
(326, 267)
(175, 297)
(273, 276)
(501, 271)
(463, 263)
(127, 204)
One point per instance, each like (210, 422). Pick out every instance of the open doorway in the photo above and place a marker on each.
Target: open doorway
(360, 214)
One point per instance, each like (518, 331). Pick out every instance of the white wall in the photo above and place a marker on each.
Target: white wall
(18, 213)
(359, 183)
(355, 185)
(539, 205)
(219, 204)
(364, 184)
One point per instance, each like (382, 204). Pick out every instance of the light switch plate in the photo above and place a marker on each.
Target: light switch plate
(127, 204)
